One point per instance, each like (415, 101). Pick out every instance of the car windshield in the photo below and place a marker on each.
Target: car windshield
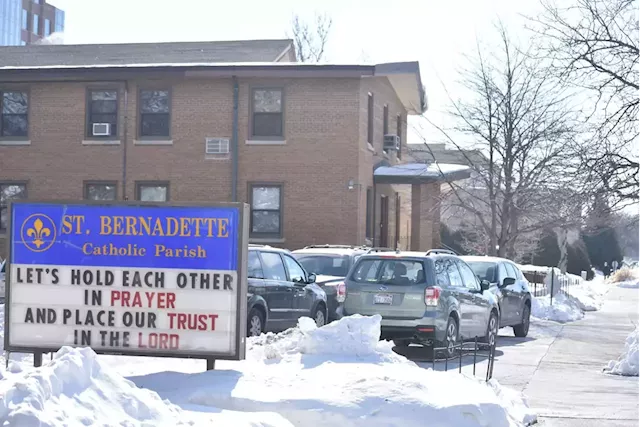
(389, 272)
(484, 270)
(328, 265)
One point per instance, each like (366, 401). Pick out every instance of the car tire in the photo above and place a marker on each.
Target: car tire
(255, 323)
(451, 338)
(522, 330)
(401, 343)
(492, 329)
(320, 316)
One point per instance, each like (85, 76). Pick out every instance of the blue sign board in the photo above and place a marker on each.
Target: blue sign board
(126, 236)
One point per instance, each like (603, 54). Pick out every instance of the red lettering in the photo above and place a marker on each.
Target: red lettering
(125, 298)
(137, 300)
(149, 298)
(115, 295)
(161, 341)
(171, 316)
(171, 300)
(182, 319)
(200, 322)
(161, 300)
(213, 318)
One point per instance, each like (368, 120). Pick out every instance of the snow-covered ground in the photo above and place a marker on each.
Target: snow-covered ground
(340, 374)
(569, 307)
(627, 363)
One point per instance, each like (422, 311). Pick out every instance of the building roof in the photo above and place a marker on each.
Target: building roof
(81, 55)
(428, 153)
(414, 173)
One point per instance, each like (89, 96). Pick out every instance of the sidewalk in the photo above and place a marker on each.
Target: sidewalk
(568, 388)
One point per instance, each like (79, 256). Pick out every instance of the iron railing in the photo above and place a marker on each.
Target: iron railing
(556, 283)
(468, 349)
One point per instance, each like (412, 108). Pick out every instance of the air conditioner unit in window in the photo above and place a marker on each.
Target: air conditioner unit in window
(101, 129)
(216, 146)
(391, 142)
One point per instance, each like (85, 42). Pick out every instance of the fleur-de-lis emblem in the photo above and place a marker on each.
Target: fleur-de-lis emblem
(38, 232)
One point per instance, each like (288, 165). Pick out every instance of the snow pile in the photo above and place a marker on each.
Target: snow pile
(589, 294)
(565, 308)
(340, 375)
(627, 363)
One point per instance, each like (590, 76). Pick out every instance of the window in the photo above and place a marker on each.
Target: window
(36, 1)
(502, 272)
(267, 117)
(59, 20)
(390, 272)
(367, 271)
(47, 27)
(9, 192)
(102, 108)
(484, 270)
(370, 119)
(254, 266)
(266, 210)
(511, 272)
(25, 19)
(442, 278)
(36, 24)
(385, 122)
(468, 277)
(329, 265)
(273, 266)
(296, 273)
(100, 191)
(152, 191)
(15, 118)
(399, 133)
(154, 113)
(454, 275)
(369, 211)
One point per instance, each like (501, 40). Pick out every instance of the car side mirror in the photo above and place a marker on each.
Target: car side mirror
(311, 278)
(508, 281)
(484, 285)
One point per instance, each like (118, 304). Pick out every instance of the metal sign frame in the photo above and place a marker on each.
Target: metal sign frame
(241, 270)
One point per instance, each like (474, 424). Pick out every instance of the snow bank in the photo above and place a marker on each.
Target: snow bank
(564, 308)
(341, 374)
(589, 294)
(76, 389)
(626, 278)
(627, 363)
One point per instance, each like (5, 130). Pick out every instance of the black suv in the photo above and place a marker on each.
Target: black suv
(280, 291)
(331, 264)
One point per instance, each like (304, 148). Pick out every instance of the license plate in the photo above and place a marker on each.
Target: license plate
(383, 299)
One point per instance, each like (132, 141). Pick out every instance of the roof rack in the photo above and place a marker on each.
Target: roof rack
(440, 251)
(379, 249)
(258, 245)
(327, 246)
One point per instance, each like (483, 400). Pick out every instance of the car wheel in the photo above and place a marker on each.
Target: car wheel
(451, 337)
(255, 323)
(492, 329)
(401, 343)
(522, 329)
(319, 316)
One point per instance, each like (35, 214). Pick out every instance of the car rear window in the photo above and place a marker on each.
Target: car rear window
(389, 272)
(484, 270)
(328, 265)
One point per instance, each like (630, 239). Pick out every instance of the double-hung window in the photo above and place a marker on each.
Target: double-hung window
(155, 114)
(102, 113)
(266, 210)
(267, 117)
(14, 114)
(9, 192)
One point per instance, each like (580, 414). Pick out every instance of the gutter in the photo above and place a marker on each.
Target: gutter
(234, 143)
(124, 142)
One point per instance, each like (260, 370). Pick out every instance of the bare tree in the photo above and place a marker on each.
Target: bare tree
(521, 118)
(311, 41)
(594, 45)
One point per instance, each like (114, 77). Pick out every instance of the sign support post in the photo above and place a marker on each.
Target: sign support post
(211, 364)
(37, 359)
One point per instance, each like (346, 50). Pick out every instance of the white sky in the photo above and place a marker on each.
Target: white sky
(434, 32)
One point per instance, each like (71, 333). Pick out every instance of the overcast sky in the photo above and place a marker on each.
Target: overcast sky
(433, 32)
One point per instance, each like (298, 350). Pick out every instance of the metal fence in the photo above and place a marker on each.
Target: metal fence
(474, 349)
(550, 283)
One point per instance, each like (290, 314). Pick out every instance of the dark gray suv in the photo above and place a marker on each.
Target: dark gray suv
(432, 298)
(280, 291)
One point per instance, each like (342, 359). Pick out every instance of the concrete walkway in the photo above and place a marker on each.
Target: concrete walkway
(567, 387)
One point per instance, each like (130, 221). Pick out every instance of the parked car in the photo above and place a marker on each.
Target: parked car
(510, 286)
(280, 291)
(425, 298)
(331, 263)
(2, 278)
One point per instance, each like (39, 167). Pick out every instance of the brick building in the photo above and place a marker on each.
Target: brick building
(219, 121)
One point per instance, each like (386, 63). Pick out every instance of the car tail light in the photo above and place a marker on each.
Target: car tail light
(431, 296)
(341, 292)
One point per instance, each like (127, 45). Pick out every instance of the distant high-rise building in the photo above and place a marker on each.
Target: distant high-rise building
(27, 21)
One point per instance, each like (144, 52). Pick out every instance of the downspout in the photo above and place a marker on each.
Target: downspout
(234, 143)
(373, 220)
(124, 135)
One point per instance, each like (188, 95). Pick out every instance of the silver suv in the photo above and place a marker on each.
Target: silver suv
(431, 298)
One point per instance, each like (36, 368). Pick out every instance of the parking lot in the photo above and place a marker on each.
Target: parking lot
(559, 366)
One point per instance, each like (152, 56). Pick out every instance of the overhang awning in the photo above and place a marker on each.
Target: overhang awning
(417, 173)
